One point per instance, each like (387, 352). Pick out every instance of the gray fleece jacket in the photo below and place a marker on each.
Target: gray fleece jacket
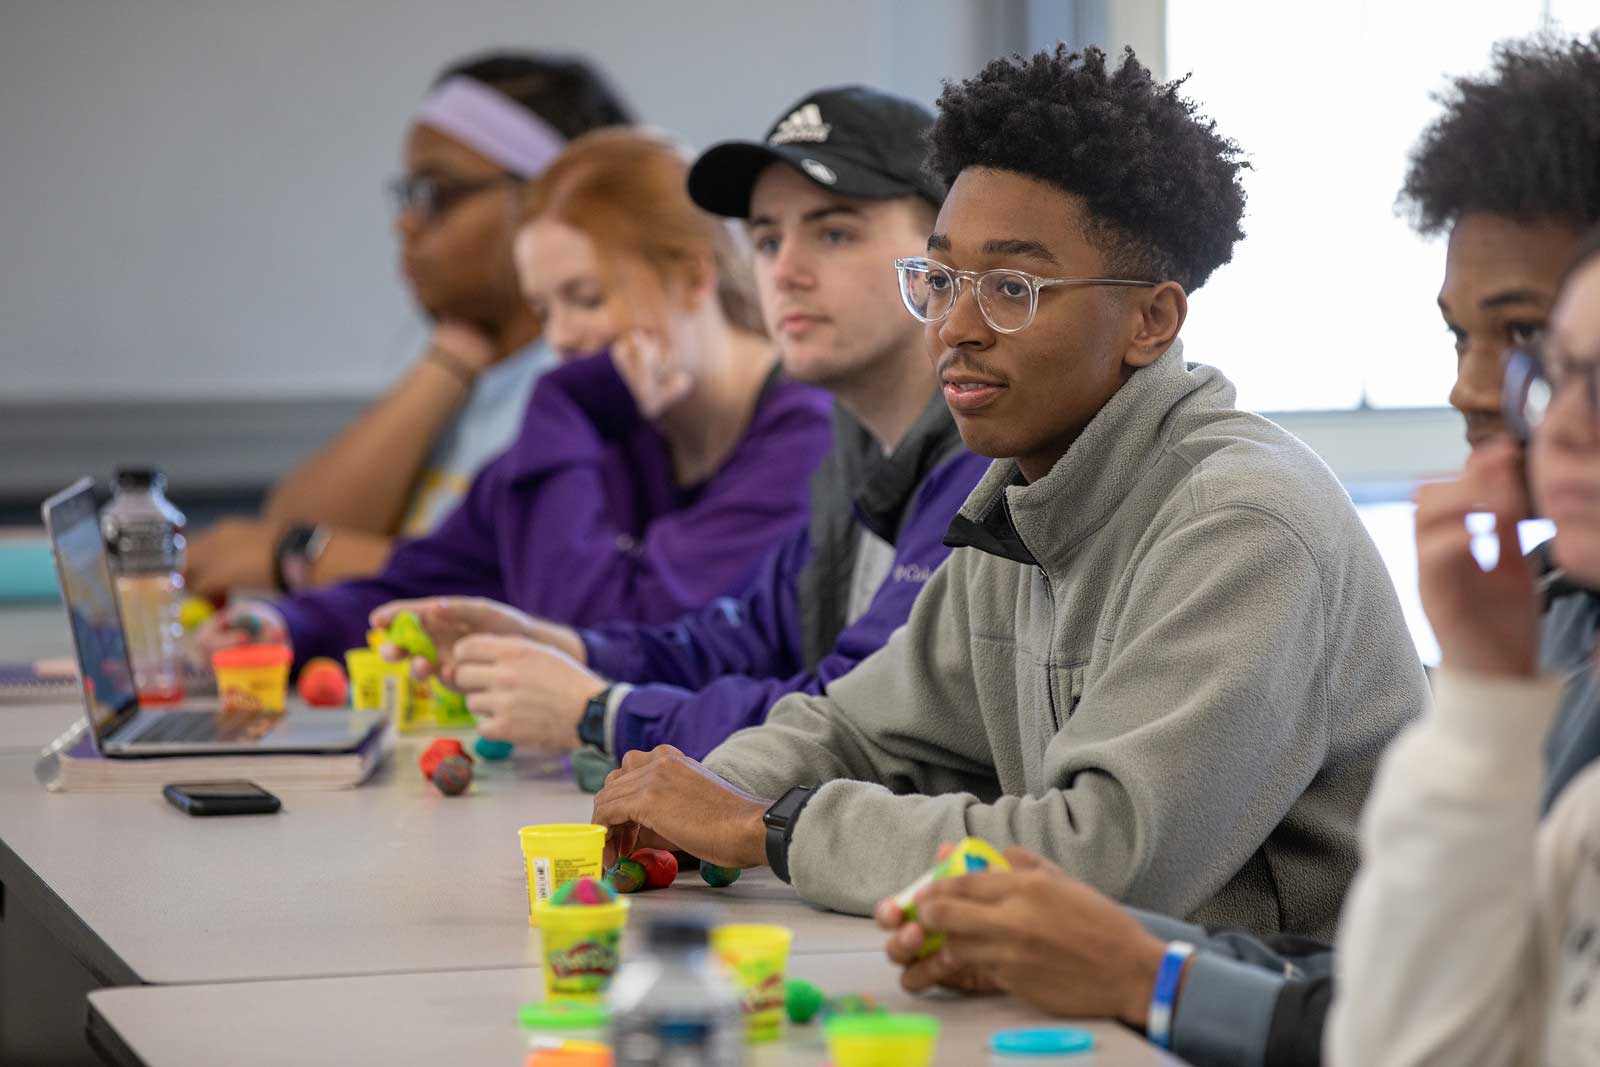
(1169, 665)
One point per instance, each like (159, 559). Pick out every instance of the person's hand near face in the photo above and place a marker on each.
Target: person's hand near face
(462, 348)
(664, 799)
(231, 554)
(1032, 932)
(652, 374)
(522, 691)
(1486, 621)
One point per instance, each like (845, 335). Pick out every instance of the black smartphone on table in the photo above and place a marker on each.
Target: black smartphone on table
(221, 798)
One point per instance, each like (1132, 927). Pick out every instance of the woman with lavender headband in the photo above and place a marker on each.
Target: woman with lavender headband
(486, 126)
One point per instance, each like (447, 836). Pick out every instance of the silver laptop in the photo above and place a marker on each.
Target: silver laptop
(118, 725)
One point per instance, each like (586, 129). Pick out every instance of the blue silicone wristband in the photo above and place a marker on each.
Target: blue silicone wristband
(1159, 1029)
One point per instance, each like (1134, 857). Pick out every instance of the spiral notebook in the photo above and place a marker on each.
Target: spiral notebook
(55, 681)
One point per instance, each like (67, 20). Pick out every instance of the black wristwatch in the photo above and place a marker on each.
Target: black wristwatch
(297, 552)
(592, 727)
(780, 820)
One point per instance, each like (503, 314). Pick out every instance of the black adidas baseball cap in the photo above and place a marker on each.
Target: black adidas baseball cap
(851, 139)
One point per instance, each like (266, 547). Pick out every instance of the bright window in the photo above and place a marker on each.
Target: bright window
(1329, 301)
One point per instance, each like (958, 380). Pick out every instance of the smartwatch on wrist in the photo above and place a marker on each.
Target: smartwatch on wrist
(780, 820)
(298, 551)
(592, 727)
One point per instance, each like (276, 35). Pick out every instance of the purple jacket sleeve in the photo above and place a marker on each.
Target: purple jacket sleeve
(757, 633)
(459, 558)
(698, 721)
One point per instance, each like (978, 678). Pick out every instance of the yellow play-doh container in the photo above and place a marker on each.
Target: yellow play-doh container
(557, 853)
(882, 1040)
(756, 957)
(398, 688)
(969, 856)
(582, 945)
(365, 668)
(252, 678)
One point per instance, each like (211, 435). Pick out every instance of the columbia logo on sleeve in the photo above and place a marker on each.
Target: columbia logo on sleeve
(912, 572)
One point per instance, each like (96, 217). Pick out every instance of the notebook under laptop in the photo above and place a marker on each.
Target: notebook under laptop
(119, 726)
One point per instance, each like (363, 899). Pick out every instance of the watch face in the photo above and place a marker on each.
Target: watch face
(782, 813)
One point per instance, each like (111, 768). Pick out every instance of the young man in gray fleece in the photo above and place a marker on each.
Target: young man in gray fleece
(1164, 652)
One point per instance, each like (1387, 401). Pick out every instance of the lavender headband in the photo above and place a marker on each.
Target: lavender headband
(489, 122)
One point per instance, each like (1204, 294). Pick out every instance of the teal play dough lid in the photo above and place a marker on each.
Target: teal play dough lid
(1045, 1041)
(564, 1015)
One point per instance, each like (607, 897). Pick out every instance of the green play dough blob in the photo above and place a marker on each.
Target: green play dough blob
(590, 767)
(801, 1000)
(406, 633)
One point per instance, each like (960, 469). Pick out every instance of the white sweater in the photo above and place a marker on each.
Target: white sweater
(1472, 933)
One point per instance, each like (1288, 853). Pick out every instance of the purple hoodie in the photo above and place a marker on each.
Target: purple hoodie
(579, 521)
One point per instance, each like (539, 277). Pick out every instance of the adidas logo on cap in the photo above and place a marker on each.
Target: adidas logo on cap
(803, 124)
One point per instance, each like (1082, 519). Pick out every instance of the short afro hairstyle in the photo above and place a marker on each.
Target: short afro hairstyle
(1160, 185)
(1522, 141)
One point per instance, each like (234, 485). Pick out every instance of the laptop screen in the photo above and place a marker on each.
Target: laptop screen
(91, 600)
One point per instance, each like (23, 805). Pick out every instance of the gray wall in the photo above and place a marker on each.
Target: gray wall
(192, 197)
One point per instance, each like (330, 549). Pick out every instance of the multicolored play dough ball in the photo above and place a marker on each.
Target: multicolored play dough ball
(453, 775)
(660, 867)
(439, 750)
(626, 876)
(802, 1000)
(719, 876)
(492, 750)
(323, 684)
(581, 892)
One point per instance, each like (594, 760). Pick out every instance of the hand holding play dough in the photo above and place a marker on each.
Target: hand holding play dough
(248, 622)
(445, 620)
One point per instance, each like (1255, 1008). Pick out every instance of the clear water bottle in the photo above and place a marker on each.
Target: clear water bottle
(144, 536)
(673, 1008)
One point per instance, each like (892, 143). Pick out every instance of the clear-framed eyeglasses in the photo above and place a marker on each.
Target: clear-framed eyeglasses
(1533, 379)
(432, 197)
(1007, 299)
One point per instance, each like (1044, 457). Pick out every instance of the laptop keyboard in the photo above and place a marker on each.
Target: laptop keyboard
(180, 726)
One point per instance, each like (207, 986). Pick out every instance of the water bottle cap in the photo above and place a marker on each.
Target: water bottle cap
(139, 477)
(679, 931)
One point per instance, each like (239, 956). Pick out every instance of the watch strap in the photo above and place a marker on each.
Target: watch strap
(592, 726)
(780, 821)
(297, 550)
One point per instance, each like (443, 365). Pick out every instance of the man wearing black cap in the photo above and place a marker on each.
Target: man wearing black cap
(832, 196)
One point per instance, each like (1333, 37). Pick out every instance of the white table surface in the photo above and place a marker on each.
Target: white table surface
(470, 1017)
(30, 727)
(392, 877)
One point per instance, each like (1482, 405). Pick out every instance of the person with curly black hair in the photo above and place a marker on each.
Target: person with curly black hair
(1164, 652)
(1511, 172)
(1480, 842)
(1514, 212)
